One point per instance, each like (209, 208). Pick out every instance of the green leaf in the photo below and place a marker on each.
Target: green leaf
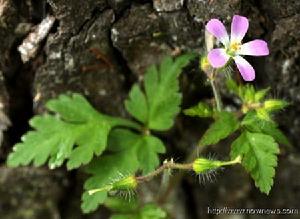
(75, 122)
(202, 110)
(254, 124)
(125, 216)
(130, 152)
(122, 139)
(147, 147)
(225, 124)
(259, 157)
(136, 105)
(160, 104)
(247, 93)
(72, 108)
(232, 86)
(149, 211)
(121, 205)
(90, 203)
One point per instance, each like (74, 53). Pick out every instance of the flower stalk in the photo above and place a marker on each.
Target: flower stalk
(216, 95)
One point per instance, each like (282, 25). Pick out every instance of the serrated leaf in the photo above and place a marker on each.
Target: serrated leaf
(201, 110)
(259, 157)
(136, 105)
(225, 124)
(160, 104)
(254, 124)
(72, 108)
(162, 91)
(130, 152)
(122, 139)
(75, 123)
(147, 147)
(37, 146)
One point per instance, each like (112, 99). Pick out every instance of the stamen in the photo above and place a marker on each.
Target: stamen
(235, 46)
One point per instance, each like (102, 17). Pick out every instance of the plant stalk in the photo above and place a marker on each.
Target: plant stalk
(216, 94)
(166, 165)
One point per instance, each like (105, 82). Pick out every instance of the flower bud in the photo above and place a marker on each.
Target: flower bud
(209, 41)
(126, 183)
(204, 64)
(274, 104)
(202, 165)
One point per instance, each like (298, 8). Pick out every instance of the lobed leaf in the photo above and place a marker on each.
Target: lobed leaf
(225, 124)
(147, 147)
(259, 157)
(76, 132)
(202, 110)
(137, 105)
(160, 103)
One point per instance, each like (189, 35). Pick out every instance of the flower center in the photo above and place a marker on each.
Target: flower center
(234, 47)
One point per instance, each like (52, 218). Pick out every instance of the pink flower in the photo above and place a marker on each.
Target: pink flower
(234, 47)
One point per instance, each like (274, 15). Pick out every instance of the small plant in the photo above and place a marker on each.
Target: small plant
(120, 154)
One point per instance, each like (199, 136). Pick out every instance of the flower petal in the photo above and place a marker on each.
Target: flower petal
(254, 48)
(246, 70)
(239, 27)
(217, 28)
(218, 57)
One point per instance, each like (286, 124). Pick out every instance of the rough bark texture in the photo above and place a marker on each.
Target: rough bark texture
(132, 35)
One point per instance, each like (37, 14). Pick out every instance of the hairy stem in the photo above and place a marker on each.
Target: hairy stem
(177, 179)
(216, 95)
(165, 166)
